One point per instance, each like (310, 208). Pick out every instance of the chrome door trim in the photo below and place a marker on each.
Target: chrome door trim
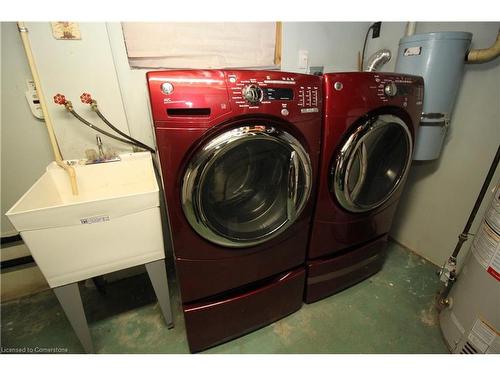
(201, 162)
(347, 154)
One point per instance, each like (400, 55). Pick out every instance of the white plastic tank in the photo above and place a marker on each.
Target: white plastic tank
(439, 58)
(471, 322)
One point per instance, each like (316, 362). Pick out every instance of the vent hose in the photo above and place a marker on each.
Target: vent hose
(377, 60)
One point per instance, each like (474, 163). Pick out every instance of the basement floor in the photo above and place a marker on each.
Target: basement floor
(391, 312)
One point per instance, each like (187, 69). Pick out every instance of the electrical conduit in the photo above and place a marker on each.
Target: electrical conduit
(23, 31)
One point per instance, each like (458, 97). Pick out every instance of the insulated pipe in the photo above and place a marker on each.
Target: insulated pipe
(478, 56)
(23, 31)
(410, 28)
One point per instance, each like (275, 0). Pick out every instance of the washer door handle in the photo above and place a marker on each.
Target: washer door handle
(344, 161)
(293, 182)
(363, 162)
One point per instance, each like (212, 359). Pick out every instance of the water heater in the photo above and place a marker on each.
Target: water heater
(471, 322)
(439, 58)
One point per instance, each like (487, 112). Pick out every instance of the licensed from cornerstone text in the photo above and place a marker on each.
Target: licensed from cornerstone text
(34, 350)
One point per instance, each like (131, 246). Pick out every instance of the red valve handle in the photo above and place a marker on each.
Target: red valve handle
(60, 99)
(86, 98)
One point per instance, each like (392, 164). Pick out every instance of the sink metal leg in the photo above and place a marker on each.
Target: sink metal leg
(71, 302)
(158, 275)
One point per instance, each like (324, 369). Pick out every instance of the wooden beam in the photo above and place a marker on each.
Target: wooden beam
(277, 48)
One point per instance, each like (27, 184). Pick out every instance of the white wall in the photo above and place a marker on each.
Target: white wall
(439, 195)
(334, 45)
(390, 33)
(25, 149)
(133, 87)
(71, 67)
(25, 152)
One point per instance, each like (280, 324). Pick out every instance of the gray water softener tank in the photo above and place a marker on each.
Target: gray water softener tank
(439, 58)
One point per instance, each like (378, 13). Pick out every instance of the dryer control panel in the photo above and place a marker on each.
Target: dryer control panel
(358, 92)
(393, 86)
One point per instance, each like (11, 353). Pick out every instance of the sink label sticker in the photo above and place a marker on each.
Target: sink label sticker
(94, 220)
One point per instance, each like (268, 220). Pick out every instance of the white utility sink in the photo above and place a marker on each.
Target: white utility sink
(114, 222)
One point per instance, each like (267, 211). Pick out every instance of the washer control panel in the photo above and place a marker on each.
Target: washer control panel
(390, 89)
(253, 94)
(198, 97)
(255, 90)
(308, 96)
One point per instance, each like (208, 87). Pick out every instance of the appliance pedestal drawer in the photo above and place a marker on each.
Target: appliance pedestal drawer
(215, 321)
(327, 276)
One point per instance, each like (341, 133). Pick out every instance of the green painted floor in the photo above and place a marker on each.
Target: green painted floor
(391, 312)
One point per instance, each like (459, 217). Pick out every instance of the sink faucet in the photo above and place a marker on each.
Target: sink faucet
(99, 147)
(100, 156)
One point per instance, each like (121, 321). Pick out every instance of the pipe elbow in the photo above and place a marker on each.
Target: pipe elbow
(479, 56)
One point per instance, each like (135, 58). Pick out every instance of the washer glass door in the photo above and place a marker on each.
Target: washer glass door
(246, 186)
(372, 163)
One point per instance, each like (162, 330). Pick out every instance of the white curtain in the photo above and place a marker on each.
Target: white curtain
(200, 45)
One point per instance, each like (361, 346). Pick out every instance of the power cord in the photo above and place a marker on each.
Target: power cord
(375, 27)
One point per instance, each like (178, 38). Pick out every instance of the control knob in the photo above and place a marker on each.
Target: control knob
(252, 94)
(390, 89)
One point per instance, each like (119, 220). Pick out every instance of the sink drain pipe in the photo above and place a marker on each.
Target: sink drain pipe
(23, 31)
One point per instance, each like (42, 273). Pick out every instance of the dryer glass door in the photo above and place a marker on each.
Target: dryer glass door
(246, 186)
(372, 163)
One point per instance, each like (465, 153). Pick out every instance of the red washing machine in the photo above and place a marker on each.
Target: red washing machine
(369, 126)
(239, 153)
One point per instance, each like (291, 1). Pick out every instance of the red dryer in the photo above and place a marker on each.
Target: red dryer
(239, 153)
(369, 126)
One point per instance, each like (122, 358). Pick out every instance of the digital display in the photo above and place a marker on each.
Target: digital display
(404, 90)
(278, 94)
